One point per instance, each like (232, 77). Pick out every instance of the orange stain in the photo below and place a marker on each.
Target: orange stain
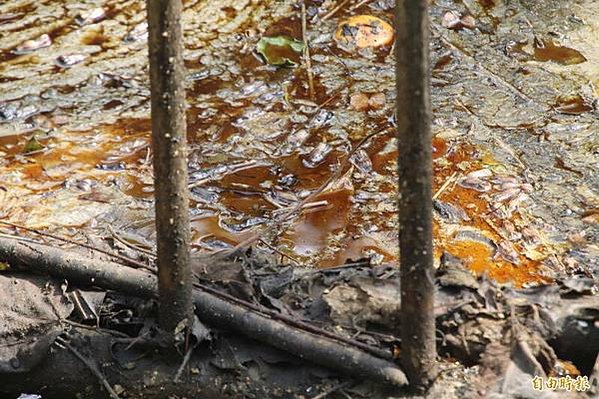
(353, 249)
(209, 227)
(311, 232)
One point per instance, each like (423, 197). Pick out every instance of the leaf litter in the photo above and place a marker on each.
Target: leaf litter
(514, 95)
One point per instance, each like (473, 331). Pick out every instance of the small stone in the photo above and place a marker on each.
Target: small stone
(91, 16)
(15, 362)
(377, 101)
(359, 101)
(591, 218)
(118, 389)
(34, 44)
(451, 20)
(468, 22)
(68, 60)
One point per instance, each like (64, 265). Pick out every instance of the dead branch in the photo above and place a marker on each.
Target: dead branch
(418, 351)
(91, 365)
(169, 145)
(209, 308)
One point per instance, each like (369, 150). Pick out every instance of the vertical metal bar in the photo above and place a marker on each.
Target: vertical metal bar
(169, 144)
(418, 349)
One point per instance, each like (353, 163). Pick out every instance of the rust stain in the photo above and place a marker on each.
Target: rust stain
(311, 233)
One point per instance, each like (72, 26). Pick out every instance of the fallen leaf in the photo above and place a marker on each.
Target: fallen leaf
(364, 31)
(280, 50)
(32, 145)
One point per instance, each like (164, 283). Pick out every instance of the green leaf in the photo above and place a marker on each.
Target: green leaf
(280, 50)
(33, 145)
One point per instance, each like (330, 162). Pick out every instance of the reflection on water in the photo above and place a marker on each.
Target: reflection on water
(261, 140)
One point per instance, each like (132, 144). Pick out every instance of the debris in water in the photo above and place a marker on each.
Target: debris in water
(450, 212)
(359, 101)
(317, 156)
(33, 146)
(362, 161)
(545, 50)
(506, 251)
(364, 31)
(572, 105)
(281, 51)
(294, 141)
(377, 101)
(68, 60)
(32, 45)
(477, 236)
(453, 20)
(140, 32)
(363, 101)
(474, 183)
(91, 16)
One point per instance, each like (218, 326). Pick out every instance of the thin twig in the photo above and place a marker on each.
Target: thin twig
(129, 245)
(333, 389)
(441, 189)
(294, 322)
(298, 207)
(334, 10)
(95, 328)
(348, 72)
(359, 4)
(337, 268)
(22, 239)
(230, 170)
(510, 151)
(348, 396)
(310, 205)
(92, 366)
(328, 100)
(307, 59)
(184, 363)
(129, 261)
(283, 254)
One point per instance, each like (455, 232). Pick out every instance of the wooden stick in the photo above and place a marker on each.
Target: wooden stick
(169, 146)
(307, 59)
(130, 261)
(91, 366)
(209, 308)
(334, 10)
(418, 351)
